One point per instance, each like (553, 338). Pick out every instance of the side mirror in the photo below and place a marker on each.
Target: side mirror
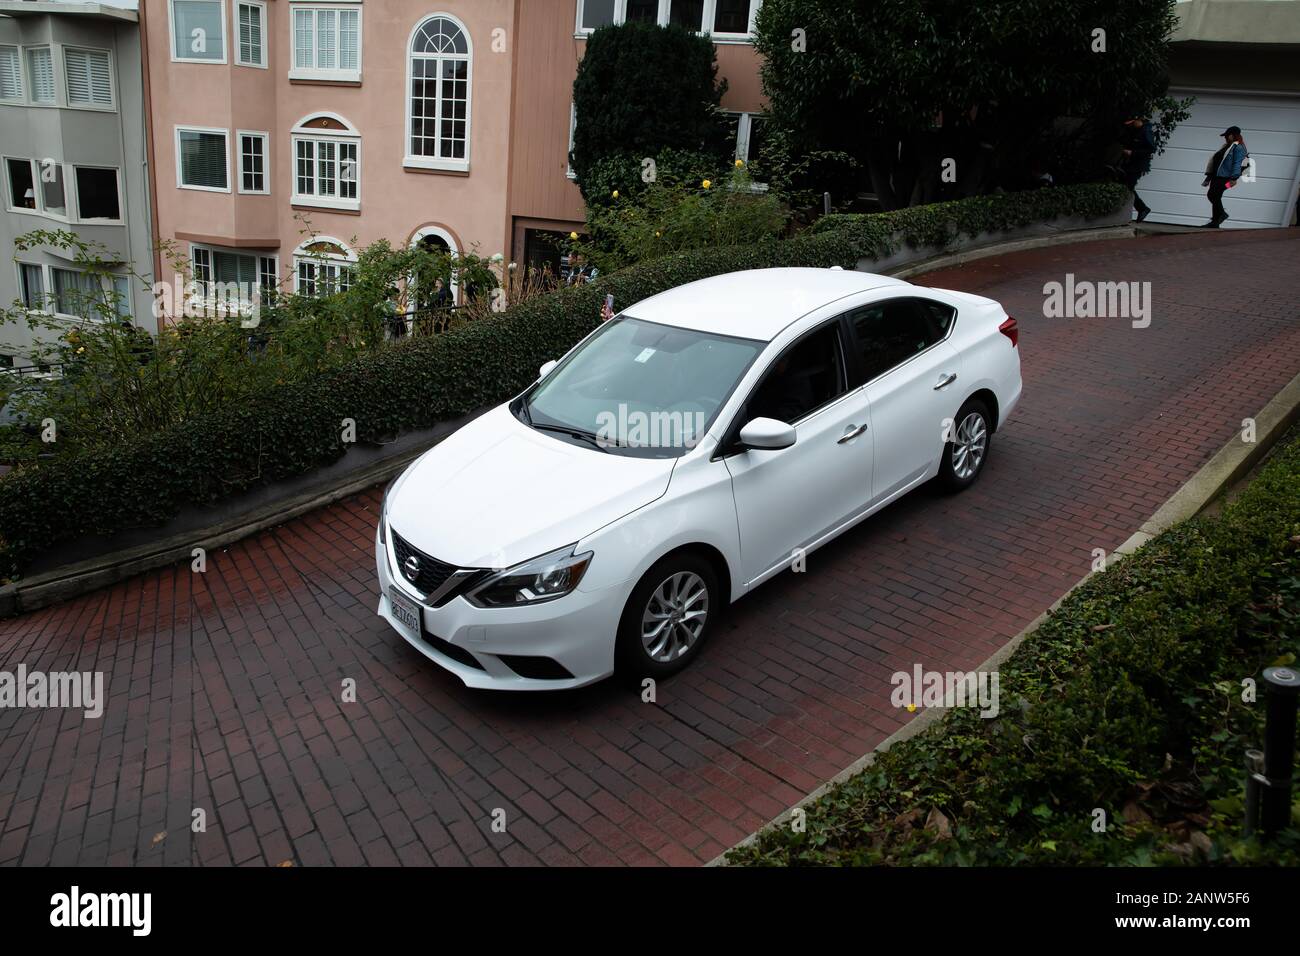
(767, 434)
(545, 370)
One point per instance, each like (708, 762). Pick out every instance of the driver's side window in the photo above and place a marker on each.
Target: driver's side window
(806, 376)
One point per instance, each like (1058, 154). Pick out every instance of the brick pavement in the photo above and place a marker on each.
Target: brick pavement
(224, 687)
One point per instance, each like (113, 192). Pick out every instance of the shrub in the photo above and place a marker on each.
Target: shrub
(641, 89)
(289, 429)
(720, 211)
(1128, 698)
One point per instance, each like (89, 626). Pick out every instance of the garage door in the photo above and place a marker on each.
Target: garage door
(1271, 128)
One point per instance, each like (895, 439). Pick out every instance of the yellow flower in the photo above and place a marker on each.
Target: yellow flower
(739, 163)
(658, 233)
(615, 193)
(706, 184)
(573, 235)
(81, 349)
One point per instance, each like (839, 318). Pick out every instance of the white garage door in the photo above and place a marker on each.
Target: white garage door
(1271, 128)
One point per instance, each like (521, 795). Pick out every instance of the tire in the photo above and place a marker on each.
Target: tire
(965, 456)
(690, 572)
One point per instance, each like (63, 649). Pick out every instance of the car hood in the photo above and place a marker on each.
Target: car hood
(497, 492)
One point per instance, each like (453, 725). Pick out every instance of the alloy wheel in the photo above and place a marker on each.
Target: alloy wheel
(969, 445)
(674, 616)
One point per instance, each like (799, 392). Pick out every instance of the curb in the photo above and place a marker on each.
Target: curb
(1011, 245)
(1229, 464)
(61, 584)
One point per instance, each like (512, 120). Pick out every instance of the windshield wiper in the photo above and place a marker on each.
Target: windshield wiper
(578, 433)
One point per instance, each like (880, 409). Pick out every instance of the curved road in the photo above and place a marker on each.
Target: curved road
(224, 687)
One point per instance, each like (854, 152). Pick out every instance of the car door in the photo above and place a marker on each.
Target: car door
(913, 384)
(791, 497)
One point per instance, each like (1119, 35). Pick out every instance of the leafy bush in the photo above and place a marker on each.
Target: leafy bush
(629, 176)
(662, 219)
(978, 83)
(1128, 698)
(288, 429)
(642, 89)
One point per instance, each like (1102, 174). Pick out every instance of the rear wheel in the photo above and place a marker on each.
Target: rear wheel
(964, 456)
(667, 617)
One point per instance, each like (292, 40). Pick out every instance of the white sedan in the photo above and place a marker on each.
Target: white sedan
(679, 456)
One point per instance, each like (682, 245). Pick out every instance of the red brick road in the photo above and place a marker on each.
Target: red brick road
(224, 687)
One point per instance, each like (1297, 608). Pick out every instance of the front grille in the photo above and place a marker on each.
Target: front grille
(432, 572)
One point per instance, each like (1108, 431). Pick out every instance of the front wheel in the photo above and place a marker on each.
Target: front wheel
(964, 456)
(667, 617)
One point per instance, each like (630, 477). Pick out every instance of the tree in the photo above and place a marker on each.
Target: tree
(938, 99)
(642, 89)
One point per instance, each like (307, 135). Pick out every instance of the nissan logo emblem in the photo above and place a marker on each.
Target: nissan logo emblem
(411, 568)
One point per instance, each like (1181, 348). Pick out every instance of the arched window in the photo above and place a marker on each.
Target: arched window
(323, 266)
(326, 162)
(438, 107)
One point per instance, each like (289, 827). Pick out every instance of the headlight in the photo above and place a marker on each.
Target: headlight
(542, 579)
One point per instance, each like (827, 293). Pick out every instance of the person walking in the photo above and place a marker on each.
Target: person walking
(1138, 146)
(1222, 172)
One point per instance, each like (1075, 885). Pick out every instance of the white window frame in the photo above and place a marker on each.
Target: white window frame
(47, 290)
(45, 298)
(37, 191)
(302, 256)
(708, 16)
(176, 145)
(171, 38)
(112, 81)
(265, 137)
(75, 199)
(22, 74)
(239, 46)
(315, 73)
(207, 300)
(29, 87)
(301, 133)
(410, 160)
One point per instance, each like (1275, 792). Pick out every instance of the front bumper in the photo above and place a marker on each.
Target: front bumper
(577, 631)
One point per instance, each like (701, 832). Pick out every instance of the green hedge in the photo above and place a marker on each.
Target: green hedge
(1128, 699)
(294, 428)
(937, 223)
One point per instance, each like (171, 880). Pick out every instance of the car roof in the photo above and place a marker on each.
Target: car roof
(757, 303)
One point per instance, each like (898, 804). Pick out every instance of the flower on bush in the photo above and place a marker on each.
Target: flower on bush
(707, 183)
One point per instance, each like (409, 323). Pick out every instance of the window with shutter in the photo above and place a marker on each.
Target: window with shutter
(326, 43)
(90, 77)
(251, 50)
(11, 74)
(201, 159)
(40, 74)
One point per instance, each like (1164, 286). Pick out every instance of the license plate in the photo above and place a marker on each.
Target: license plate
(404, 610)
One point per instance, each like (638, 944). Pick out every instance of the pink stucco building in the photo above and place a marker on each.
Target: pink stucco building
(278, 124)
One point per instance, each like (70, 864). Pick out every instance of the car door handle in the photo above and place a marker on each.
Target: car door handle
(946, 380)
(850, 435)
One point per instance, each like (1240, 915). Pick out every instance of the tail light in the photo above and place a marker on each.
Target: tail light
(1011, 331)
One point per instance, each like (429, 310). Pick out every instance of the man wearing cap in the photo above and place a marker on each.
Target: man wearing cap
(1221, 173)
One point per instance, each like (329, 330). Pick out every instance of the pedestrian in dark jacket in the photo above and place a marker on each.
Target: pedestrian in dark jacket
(1222, 172)
(1138, 146)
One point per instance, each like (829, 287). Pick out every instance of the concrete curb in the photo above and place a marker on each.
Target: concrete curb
(1011, 245)
(1229, 465)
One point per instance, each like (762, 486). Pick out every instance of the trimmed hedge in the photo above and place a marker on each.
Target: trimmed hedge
(1127, 699)
(294, 428)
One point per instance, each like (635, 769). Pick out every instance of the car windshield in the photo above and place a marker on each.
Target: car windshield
(640, 388)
